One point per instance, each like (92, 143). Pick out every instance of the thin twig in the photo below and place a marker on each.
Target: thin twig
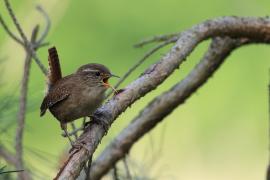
(15, 21)
(159, 38)
(29, 47)
(12, 171)
(47, 26)
(135, 66)
(42, 44)
(9, 32)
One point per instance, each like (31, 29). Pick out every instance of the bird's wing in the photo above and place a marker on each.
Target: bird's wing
(55, 96)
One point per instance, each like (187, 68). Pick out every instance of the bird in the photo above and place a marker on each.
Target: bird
(77, 95)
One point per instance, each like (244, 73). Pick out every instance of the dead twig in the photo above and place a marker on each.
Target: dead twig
(27, 45)
(160, 38)
(9, 32)
(135, 66)
(47, 26)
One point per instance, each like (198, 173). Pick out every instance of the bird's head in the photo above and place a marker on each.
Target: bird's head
(97, 74)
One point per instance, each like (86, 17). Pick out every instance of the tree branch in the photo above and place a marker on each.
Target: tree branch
(22, 109)
(47, 26)
(135, 66)
(9, 32)
(27, 45)
(30, 48)
(255, 28)
(160, 38)
(7, 156)
(163, 105)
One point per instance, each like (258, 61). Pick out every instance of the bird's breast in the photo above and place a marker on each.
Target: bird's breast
(91, 99)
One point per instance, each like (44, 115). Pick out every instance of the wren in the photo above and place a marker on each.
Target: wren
(77, 95)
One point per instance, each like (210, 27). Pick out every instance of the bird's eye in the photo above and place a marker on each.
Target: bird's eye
(97, 73)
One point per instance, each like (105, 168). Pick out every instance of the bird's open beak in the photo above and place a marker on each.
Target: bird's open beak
(106, 83)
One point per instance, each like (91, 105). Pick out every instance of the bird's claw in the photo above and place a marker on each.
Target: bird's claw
(76, 146)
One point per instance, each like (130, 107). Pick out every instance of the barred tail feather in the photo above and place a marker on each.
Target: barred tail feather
(54, 67)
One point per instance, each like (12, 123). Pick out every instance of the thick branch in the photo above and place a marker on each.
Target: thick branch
(162, 106)
(147, 55)
(257, 28)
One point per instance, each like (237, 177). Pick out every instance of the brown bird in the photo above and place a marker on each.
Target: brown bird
(77, 95)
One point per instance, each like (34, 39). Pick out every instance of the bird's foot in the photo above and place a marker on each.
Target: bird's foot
(76, 146)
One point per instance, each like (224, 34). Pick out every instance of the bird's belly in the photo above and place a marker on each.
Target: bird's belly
(76, 108)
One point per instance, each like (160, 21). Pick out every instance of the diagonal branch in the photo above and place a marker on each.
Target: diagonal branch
(147, 55)
(9, 32)
(160, 38)
(255, 28)
(28, 46)
(163, 105)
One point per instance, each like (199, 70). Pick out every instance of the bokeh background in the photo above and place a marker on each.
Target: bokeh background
(221, 132)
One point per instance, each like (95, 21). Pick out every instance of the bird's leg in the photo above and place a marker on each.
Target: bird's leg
(64, 127)
(86, 123)
(75, 146)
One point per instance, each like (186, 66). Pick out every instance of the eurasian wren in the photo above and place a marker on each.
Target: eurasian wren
(77, 95)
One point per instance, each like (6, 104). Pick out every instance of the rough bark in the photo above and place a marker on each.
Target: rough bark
(163, 105)
(235, 27)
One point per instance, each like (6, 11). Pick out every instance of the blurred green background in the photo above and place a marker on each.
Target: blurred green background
(221, 132)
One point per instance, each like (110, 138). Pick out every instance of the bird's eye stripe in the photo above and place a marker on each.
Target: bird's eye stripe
(89, 70)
